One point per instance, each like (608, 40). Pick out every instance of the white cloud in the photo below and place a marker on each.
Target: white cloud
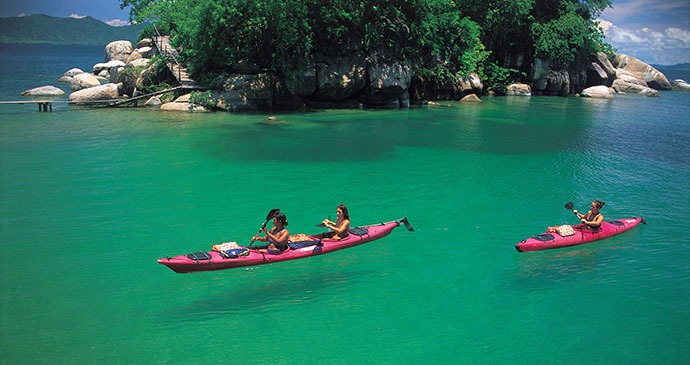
(668, 47)
(75, 16)
(680, 37)
(116, 22)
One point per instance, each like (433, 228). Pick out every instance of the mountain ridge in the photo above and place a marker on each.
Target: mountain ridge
(45, 29)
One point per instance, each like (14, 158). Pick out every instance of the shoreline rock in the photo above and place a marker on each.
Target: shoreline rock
(47, 90)
(102, 92)
(680, 85)
(601, 92)
(83, 81)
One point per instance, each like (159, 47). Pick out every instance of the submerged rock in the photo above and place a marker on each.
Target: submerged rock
(47, 90)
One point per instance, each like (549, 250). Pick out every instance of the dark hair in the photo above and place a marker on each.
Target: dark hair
(342, 207)
(599, 204)
(280, 217)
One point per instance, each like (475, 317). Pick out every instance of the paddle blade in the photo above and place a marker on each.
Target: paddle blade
(272, 214)
(407, 224)
(569, 205)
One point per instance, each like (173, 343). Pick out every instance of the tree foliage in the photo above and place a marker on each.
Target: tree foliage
(443, 37)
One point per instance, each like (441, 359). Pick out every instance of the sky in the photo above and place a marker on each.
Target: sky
(655, 31)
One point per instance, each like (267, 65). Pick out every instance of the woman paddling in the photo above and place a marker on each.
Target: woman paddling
(338, 228)
(277, 237)
(593, 218)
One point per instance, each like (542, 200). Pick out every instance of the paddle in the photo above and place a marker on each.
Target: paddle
(270, 216)
(323, 225)
(569, 206)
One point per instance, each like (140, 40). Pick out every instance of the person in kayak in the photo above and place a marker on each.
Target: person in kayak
(277, 237)
(339, 228)
(593, 218)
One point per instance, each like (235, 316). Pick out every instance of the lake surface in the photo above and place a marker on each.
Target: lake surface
(90, 198)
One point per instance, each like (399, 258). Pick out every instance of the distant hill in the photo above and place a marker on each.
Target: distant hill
(40, 28)
(679, 66)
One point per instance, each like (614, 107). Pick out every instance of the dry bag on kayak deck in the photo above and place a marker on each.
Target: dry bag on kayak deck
(234, 253)
(300, 244)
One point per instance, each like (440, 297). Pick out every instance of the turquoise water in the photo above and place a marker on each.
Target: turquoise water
(90, 198)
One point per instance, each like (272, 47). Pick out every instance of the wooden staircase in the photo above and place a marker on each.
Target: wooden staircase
(171, 56)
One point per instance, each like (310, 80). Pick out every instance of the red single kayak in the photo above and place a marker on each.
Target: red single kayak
(547, 241)
(215, 261)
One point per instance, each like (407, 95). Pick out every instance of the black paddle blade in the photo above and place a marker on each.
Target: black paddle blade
(569, 205)
(407, 224)
(272, 214)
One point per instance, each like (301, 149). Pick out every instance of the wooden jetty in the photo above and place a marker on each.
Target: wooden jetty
(43, 105)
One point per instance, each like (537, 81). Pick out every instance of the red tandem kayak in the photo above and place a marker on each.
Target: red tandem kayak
(214, 260)
(547, 241)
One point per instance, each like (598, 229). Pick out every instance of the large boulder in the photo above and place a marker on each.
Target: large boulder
(107, 66)
(680, 85)
(146, 42)
(471, 98)
(340, 77)
(654, 78)
(244, 93)
(139, 62)
(387, 82)
(182, 104)
(43, 91)
(540, 69)
(103, 92)
(301, 82)
(519, 90)
(153, 101)
(73, 72)
(601, 91)
(622, 86)
(557, 83)
(69, 74)
(135, 55)
(83, 81)
(146, 52)
(118, 50)
(476, 83)
(603, 61)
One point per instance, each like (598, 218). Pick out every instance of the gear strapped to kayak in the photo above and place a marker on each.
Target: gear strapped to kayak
(583, 234)
(303, 246)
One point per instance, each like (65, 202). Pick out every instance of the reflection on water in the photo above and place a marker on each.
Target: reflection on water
(245, 292)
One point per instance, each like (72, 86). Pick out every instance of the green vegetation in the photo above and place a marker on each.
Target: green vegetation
(439, 38)
(51, 30)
